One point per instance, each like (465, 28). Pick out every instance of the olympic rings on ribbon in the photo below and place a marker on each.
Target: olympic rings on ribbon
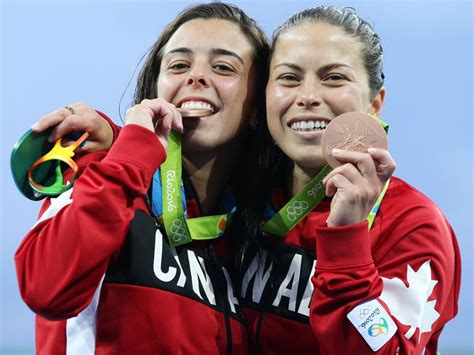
(64, 154)
(296, 209)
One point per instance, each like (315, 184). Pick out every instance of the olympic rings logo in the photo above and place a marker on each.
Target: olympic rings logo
(296, 209)
(364, 312)
(178, 232)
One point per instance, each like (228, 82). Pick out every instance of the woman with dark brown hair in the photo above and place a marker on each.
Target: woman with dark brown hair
(352, 259)
(112, 266)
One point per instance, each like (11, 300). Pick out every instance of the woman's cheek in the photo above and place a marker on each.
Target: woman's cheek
(167, 87)
(346, 99)
(276, 92)
(231, 86)
(278, 100)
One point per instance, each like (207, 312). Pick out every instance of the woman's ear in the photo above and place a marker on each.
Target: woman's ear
(377, 102)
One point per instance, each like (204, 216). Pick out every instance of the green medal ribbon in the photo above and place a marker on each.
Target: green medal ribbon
(180, 230)
(374, 210)
(208, 227)
(173, 215)
(309, 197)
(298, 207)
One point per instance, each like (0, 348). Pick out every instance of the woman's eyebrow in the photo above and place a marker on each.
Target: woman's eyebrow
(290, 65)
(214, 51)
(331, 66)
(179, 50)
(222, 51)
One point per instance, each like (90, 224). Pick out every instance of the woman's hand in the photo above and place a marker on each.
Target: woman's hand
(157, 115)
(356, 185)
(82, 118)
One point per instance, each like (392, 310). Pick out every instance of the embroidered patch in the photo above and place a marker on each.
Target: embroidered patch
(373, 322)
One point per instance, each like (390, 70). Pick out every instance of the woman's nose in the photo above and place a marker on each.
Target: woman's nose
(197, 77)
(309, 95)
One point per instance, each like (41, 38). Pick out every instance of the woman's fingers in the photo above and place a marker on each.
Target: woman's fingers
(78, 118)
(385, 165)
(72, 123)
(362, 161)
(350, 173)
(50, 120)
(335, 182)
(356, 184)
(177, 123)
(157, 115)
(376, 162)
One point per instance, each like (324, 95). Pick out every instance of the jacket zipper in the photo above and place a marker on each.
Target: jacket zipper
(218, 272)
(259, 329)
(210, 252)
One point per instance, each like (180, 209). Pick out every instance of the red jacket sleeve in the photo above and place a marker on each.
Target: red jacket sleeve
(63, 258)
(400, 282)
(115, 128)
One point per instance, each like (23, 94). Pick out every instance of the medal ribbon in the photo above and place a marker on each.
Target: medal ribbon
(180, 230)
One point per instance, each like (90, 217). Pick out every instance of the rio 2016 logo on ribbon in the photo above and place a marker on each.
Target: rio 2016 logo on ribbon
(296, 209)
(378, 328)
(170, 177)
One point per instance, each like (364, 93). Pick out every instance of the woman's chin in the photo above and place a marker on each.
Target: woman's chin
(310, 162)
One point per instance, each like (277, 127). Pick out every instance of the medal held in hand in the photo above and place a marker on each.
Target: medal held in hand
(194, 112)
(354, 131)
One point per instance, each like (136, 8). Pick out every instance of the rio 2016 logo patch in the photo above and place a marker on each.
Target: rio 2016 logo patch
(373, 323)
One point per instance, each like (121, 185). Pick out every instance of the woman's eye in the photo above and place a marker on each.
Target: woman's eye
(334, 77)
(288, 78)
(223, 68)
(178, 66)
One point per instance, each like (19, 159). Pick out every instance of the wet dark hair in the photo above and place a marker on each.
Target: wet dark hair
(347, 19)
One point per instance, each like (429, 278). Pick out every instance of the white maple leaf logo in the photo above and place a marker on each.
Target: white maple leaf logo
(410, 304)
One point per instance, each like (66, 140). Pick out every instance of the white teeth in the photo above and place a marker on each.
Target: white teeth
(196, 105)
(308, 125)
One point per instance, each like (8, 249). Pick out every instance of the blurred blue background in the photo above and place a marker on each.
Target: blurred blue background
(56, 53)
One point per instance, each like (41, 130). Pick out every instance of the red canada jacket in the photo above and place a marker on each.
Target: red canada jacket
(344, 290)
(101, 277)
